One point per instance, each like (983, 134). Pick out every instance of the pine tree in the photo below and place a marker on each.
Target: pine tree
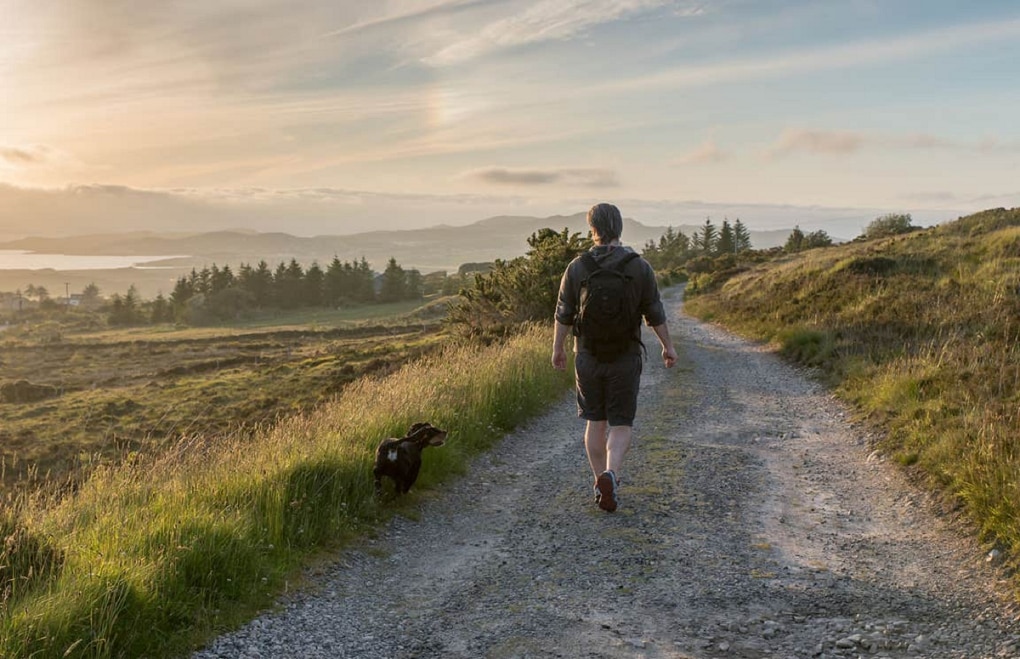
(795, 241)
(414, 287)
(727, 242)
(707, 237)
(394, 282)
(335, 283)
(313, 286)
(364, 281)
(741, 237)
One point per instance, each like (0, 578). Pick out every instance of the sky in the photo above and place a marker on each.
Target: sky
(342, 116)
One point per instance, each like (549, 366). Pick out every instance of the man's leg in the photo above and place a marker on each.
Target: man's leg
(606, 482)
(595, 446)
(617, 447)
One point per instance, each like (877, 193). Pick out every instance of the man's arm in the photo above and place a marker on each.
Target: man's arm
(559, 351)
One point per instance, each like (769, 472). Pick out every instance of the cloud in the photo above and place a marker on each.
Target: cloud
(809, 60)
(21, 156)
(933, 197)
(705, 153)
(593, 178)
(815, 142)
(545, 20)
(438, 9)
(836, 142)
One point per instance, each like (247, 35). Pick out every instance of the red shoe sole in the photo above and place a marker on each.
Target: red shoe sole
(607, 501)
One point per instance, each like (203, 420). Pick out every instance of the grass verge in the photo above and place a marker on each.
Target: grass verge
(149, 558)
(922, 333)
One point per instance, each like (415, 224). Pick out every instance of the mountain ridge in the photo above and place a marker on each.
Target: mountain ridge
(440, 247)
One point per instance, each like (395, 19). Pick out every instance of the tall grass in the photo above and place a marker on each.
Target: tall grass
(922, 333)
(148, 558)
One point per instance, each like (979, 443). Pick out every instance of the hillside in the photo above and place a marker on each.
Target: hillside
(921, 332)
(428, 250)
(436, 248)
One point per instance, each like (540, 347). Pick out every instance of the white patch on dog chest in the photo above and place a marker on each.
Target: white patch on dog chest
(392, 455)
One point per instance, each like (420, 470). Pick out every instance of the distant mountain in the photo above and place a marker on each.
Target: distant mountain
(437, 248)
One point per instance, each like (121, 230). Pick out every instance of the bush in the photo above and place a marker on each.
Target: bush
(889, 225)
(518, 291)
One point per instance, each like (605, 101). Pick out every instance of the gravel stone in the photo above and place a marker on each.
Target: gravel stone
(756, 520)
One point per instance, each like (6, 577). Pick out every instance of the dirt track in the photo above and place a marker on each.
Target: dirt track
(754, 522)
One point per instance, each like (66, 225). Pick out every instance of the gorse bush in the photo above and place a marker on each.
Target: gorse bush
(889, 225)
(148, 557)
(521, 290)
(922, 332)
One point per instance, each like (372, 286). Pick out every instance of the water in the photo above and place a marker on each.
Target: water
(22, 260)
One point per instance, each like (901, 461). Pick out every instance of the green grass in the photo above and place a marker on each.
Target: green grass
(151, 556)
(137, 389)
(922, 333)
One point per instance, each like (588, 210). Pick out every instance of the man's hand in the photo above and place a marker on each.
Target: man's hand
(559, 359)
(669, 356)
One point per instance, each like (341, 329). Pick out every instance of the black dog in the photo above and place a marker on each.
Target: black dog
(400, 459)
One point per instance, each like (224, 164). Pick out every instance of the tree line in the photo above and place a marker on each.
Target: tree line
(218, 293)
(675, 248)
(492, 297)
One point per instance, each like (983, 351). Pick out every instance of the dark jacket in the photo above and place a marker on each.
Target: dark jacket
(646, 290)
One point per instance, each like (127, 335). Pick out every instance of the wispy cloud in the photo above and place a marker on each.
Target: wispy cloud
(593, 178)
(390, 19)
(825, 58)
(933, 197)
(839, 143)
(816, 142)
(21, 156)
(545, 20)
(705, 153)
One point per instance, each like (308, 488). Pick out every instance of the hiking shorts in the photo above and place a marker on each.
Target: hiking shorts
(607, 391)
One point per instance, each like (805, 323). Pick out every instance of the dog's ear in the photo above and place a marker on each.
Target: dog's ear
(437, 438)
(415, 427)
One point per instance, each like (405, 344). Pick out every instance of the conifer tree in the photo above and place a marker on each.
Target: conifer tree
(394, 282)
(741, 236)
(727, 243)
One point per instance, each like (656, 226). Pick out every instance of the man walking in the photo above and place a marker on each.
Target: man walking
(604, 311)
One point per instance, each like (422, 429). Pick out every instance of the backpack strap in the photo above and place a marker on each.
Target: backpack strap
(619, 267)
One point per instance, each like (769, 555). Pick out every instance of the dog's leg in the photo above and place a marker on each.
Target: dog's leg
(412, 476)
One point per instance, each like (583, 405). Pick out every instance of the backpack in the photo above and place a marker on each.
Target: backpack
(607, 315)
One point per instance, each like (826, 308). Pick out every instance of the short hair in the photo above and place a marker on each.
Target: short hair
(605, 222)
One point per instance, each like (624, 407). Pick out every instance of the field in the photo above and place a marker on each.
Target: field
(106, 393)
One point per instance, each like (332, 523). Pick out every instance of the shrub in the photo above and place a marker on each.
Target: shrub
(889, 225)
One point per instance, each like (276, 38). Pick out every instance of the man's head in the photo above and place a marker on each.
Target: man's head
(605, 222)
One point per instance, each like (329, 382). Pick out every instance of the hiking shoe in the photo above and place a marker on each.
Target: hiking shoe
(607, 485)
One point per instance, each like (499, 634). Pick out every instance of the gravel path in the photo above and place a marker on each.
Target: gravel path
(754, 522)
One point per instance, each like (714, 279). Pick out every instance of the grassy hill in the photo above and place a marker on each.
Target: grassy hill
(922, 333)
